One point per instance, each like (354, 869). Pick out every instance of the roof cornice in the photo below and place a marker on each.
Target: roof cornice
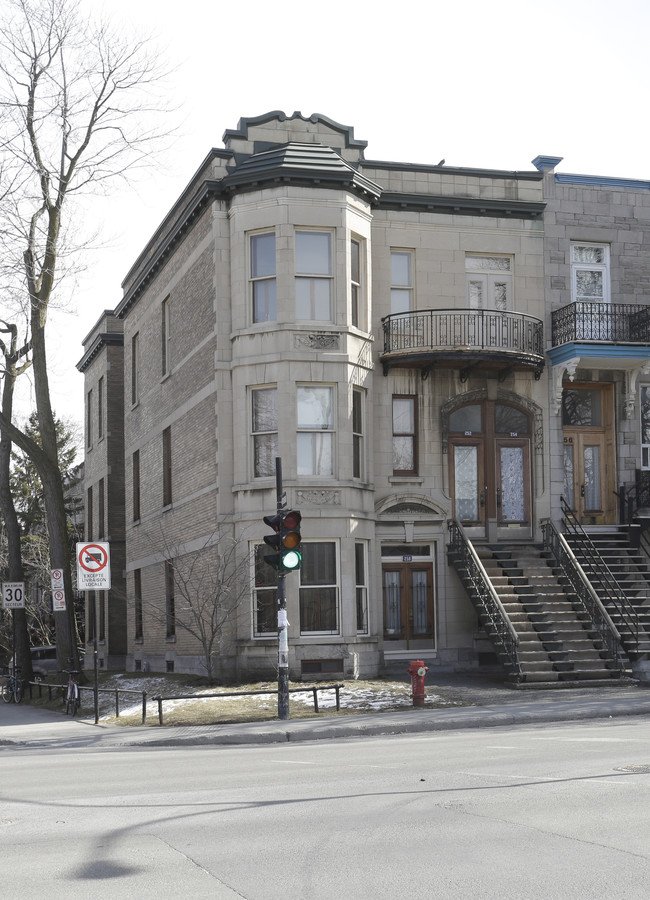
(464, 206)
(502, 174)
(104, 339)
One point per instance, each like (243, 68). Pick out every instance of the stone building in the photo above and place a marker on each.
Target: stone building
(397, 334)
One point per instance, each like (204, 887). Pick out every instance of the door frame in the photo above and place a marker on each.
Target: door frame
(406, 637)
(602, 436)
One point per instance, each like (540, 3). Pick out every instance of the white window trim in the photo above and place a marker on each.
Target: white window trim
(253, 434)
(309, 430)
(252, 280)
(363, 586)
(405, 290)
(590, 267)
(314, 277)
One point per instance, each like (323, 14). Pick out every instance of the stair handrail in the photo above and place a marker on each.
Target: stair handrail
(494, 608)
(612, 591)
(556, 544)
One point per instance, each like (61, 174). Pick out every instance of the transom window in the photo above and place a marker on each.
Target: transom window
(314, 276)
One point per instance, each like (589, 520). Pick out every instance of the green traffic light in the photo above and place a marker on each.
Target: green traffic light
(291, 560)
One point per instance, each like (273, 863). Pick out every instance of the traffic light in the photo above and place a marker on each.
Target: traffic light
(285, 541)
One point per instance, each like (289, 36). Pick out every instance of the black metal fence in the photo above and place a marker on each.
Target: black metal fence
(464, 329)
(37, 687)
(604, 322)
(314, 689)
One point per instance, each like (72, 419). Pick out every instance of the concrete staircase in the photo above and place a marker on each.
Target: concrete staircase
(557, 641)
(630, 568)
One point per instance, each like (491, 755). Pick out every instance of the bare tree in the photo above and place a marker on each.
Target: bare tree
(74, 105)
(15, 356)
(204, 588)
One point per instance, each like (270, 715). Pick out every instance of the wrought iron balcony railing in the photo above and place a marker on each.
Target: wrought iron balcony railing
(610, 323)
(452, 331)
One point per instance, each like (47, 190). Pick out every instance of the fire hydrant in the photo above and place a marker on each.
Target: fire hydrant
(417, 670)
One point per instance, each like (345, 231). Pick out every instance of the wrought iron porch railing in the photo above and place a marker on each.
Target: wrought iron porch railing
(610, 323)
(464, 329)
(603, 579)
(585, 594)
(477, 583)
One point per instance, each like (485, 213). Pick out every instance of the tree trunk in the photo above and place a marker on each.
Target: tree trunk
(12, 528)
(66, 643)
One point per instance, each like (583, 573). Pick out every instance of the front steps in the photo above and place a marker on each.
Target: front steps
(630, 568)
(558, 645)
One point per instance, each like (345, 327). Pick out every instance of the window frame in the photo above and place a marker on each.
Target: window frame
(270, 302)
(358, 418)
(101, 509)
(256, 434)
(361, 586)
(100, 408)
(645, 445)
(579, 266)
(312, 430)
(489, 278)
(402, 289)
(265, 587)
(170, 601)
(412, 434)
(357, 293)
(89, 419)
(89, 514)
(136, 498)
(316, 278)
(135, 368)
(138, 629)
(318, 586)
(167, 466)
(165, 336)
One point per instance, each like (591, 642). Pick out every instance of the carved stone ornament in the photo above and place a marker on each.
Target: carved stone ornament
(320, 340)
(318, 498)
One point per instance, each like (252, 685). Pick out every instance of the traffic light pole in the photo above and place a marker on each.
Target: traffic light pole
(283, 630)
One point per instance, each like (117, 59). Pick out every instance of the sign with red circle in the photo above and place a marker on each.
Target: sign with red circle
(93, 567)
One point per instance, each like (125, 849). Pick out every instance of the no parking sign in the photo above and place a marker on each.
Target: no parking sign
(93, 567)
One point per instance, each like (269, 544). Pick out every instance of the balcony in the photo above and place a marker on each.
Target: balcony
(609, 323)
(592, 335)
(464, 339)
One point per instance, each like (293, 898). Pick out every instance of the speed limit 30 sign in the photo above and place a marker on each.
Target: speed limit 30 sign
(13, 595)
(93, 567)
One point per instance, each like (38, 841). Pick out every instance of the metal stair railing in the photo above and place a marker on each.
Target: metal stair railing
(585, 594)
(609, 590)
(502, 630)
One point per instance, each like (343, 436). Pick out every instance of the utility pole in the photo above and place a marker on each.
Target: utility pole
(283, 624)
(286, 542)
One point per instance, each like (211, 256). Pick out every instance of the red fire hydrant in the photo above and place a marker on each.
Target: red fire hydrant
(417, 670)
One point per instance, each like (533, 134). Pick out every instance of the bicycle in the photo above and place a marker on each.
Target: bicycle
(72, 692)
(12, 689)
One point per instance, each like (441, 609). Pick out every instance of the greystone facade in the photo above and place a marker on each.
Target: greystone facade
(408, 428)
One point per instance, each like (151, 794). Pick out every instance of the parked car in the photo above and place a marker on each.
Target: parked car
(43, 662)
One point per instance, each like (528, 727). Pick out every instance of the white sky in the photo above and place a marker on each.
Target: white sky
(490, 85)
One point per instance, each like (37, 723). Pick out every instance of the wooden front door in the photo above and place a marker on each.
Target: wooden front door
(589, 453)
(408, 606)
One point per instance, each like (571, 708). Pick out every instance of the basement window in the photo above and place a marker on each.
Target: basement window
(322, 666)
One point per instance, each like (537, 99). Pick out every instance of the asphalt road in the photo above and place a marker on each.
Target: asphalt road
(540, 811)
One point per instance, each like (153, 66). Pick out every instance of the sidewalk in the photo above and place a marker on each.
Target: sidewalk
(492, 705)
